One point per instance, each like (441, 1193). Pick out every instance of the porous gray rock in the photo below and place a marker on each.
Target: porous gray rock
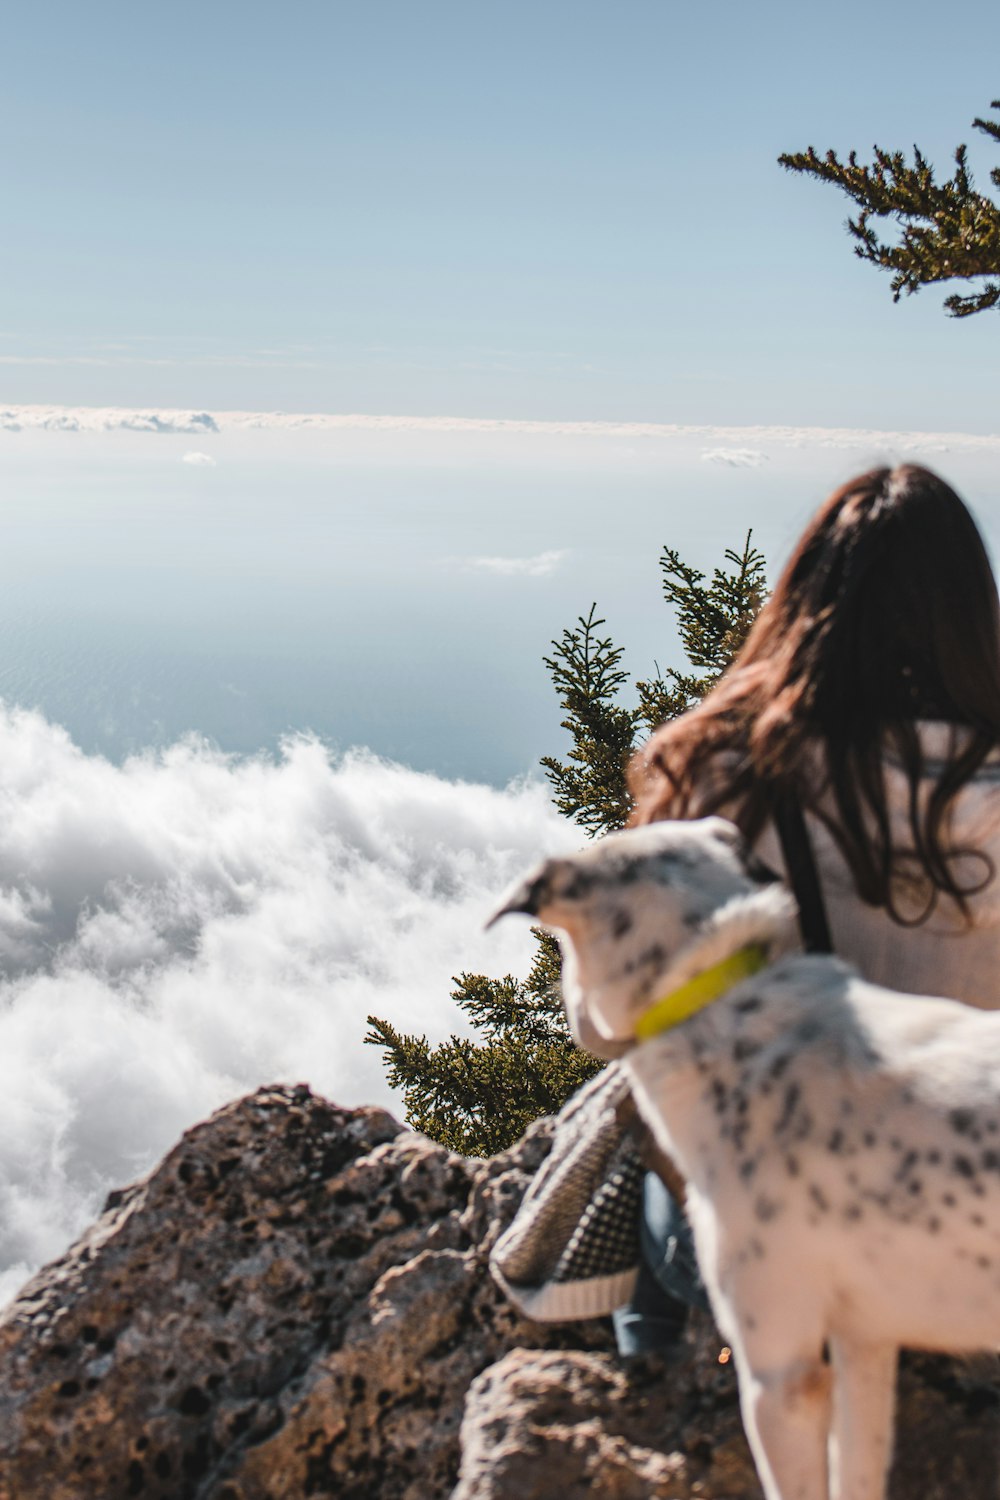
(297, 1302)
(541, 1423)
(294, 1302)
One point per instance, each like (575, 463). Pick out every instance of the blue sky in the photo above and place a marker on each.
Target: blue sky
(531, 210)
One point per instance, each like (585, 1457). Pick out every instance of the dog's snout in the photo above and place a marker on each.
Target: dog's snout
(529, 898)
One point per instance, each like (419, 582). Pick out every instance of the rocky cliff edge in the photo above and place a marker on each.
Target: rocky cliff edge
(296, 1302)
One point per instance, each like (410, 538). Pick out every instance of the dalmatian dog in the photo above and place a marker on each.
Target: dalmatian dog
(840, 1141)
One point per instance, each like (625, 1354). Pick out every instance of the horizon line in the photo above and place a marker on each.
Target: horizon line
(189, 422)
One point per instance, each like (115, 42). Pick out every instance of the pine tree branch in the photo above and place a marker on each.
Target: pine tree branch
(947, 230)
(590, 785)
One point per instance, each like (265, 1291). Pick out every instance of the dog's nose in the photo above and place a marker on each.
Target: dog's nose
(529, 897)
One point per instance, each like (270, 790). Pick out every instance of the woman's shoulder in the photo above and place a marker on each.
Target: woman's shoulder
(940, 743)
(977, 799)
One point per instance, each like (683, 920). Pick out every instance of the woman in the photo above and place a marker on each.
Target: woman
(869, 691)
(869, 685)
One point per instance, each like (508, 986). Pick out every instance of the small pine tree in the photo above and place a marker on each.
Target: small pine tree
(949, 230)
(479, 1096)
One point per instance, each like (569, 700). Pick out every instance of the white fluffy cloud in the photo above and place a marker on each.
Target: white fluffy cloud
(735, 458)
(539, 566)
(199, 460)
(179, 929)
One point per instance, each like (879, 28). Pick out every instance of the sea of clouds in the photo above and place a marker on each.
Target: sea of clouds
(180, 928)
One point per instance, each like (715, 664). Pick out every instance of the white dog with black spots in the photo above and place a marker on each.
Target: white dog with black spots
(840, 1141)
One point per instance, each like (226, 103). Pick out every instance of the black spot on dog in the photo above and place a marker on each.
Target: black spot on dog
(934, 1157)
(934, 1224)
(580, 884)
(853, 1212)
(962, 1120)
(653, 958)
(745, 1049)
(748, 1006)
(792, 1166)
(720, 1096)
(907, 1164)
(869, 1138)
(747, 1169)
(808, 1032)
(622, 922)
(819, 1198)
(990, 1161)
(789, 1106)
(835, 1142)
(765, 1209)
(964, 1167)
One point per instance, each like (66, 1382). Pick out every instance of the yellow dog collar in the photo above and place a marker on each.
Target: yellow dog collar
(671, 1009)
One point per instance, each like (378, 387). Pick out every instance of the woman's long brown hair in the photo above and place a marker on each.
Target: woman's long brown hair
(887, 613)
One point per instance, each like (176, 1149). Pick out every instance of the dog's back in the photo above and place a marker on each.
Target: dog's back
(833, 1122)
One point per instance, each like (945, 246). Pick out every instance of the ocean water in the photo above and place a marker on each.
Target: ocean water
(272, 703)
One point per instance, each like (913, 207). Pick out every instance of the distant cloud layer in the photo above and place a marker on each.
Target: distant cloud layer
(539, 566)
(103, 419)
(744, 440)
(179, 929)
(736, 458)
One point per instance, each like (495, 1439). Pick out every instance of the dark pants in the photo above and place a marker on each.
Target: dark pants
(669, 1282)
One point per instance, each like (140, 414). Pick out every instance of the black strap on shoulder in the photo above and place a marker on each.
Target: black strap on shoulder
(800, 864)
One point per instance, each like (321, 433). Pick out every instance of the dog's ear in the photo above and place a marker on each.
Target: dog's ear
(727, 833)
(724, 832)
(760, 872)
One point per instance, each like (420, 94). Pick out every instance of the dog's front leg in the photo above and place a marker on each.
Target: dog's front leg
(786, 1413)
(864, 1400)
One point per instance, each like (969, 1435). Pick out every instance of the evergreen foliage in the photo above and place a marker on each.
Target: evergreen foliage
(589, 786)
(478, 1096)
(713, 621)
(948, 230)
